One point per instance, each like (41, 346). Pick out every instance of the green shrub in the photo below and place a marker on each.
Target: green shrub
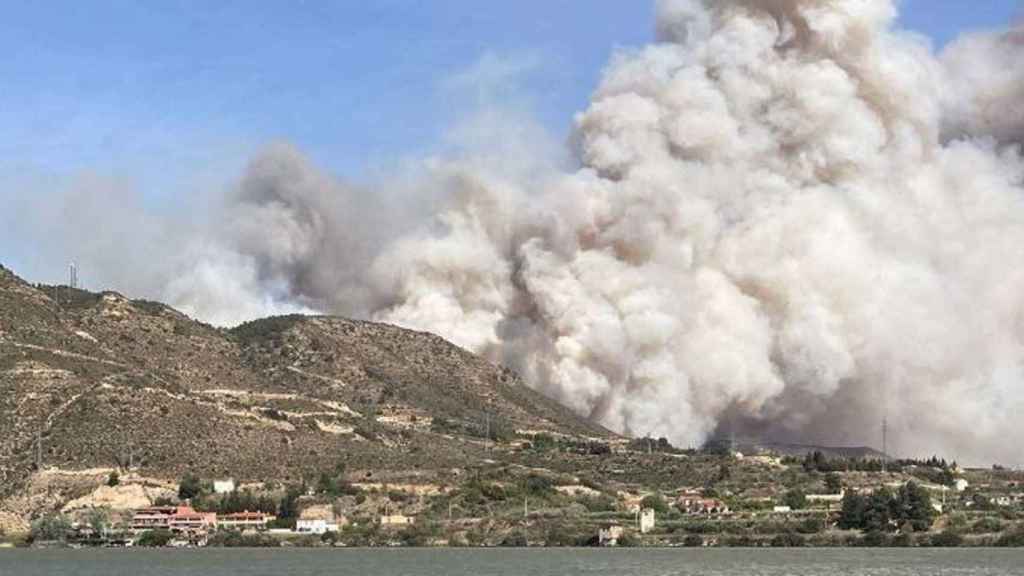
(266, 330)
(538, 486)
(558, 535)
(236, 539)
(739, 542)
(629, 540)
(788, 540)
(50, 527)
(693, 541)
(833, 483)
(542, 442)
(1013, 539)
(903, 540)
(418, 535)
(702, 527)
(811, 525)
(154, 538)
(114, 479)
(947, 539)
(516, 539)
(875, 539)
(795, 499)
(599, 503)
(987, 525)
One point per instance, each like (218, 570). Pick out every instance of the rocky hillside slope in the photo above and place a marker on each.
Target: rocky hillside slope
(93, 380)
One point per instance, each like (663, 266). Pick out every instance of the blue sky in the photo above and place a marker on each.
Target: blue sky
(165, 93)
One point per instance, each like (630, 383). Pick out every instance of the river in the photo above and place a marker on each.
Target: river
(510, 562)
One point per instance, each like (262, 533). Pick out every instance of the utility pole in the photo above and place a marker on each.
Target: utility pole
(39, 449)
(526, 507)
(885, 442)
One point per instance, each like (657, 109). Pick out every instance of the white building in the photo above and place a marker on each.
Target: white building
(646, 520)
(397, 520)
(223, 486)
(244, 520)
(827, 498)
(315, 526)
(962, 485)
(609, 536)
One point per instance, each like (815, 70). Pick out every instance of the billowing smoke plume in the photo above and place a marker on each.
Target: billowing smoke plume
(787, 215)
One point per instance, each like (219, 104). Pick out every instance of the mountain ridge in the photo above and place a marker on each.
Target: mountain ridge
(97, 379)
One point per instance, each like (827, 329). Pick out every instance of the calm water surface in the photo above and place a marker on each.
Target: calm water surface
(538, 562)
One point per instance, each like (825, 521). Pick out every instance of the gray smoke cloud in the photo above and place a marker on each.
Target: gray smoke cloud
(784, 214)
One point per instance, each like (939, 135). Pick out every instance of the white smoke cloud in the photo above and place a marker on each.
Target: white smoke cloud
(786, 214)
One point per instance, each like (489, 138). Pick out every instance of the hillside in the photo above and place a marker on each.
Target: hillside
(93, 380)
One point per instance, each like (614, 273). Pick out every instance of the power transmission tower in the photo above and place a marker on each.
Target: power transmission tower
(885, 442)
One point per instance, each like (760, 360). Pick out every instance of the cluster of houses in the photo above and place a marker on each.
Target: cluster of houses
(190, 525)
(193, 525)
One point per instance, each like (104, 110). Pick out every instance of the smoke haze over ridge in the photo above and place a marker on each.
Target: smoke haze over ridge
(785, 212)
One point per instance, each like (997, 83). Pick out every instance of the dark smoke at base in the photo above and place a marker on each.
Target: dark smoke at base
(784, 209)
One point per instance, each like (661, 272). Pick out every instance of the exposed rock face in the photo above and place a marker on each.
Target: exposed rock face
(99, 381)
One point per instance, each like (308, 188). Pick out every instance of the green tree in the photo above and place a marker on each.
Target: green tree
(815, 462)
(288, 509)
(114, 479)
(98, 519)
(833, 483)
(189, 487)
(655, 502)
(854, 508)
(878, 516)
(724, 473)
(795, 499)
(914, 505)
(327, 484)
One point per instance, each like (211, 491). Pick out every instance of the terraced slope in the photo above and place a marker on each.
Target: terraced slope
(98, 380)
